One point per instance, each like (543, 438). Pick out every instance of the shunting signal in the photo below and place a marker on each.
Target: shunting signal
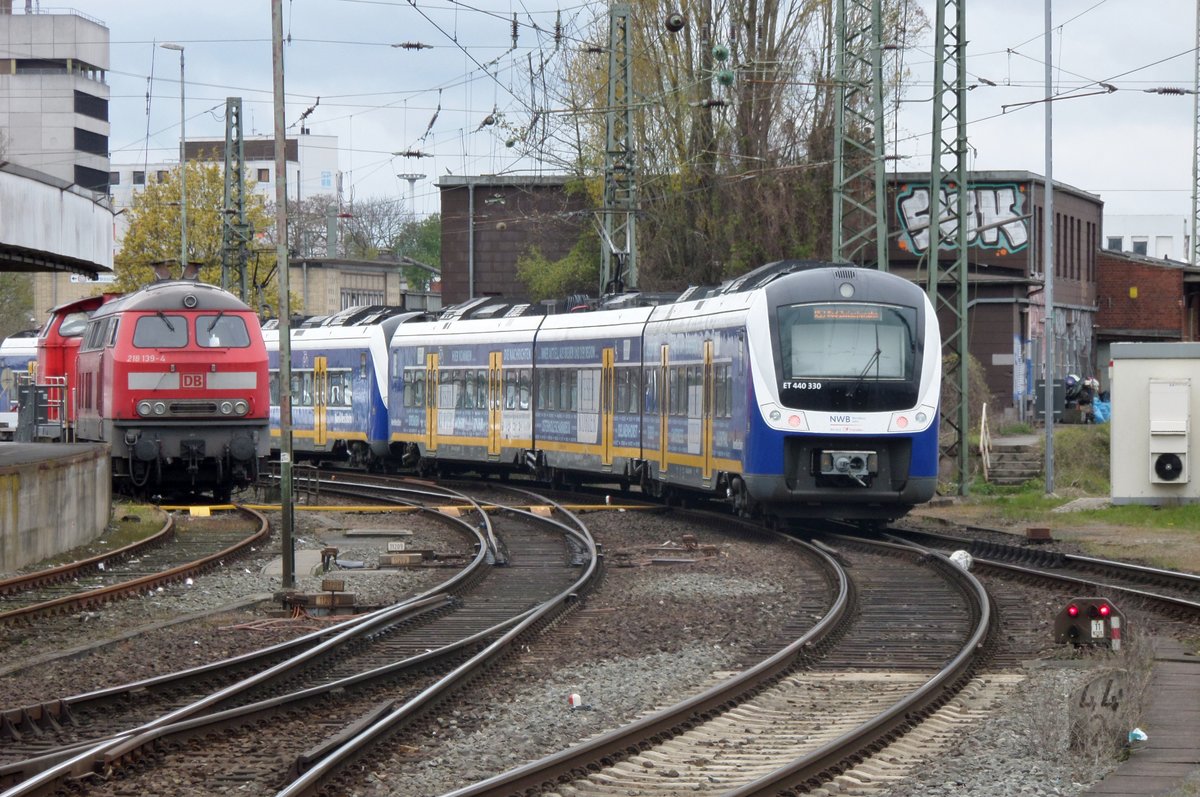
(1089, 621)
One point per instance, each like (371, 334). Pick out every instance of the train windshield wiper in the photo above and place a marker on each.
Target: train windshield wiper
(216, 318)
(871, 363)
(166, 320)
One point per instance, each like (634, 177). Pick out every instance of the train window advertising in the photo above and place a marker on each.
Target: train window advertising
(846, 341)
(222, 331)
(160, 331)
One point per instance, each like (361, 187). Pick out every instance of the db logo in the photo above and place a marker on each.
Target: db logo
(193, 380)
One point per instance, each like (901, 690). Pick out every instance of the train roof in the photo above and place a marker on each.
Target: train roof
(770, 272)
(176, 295)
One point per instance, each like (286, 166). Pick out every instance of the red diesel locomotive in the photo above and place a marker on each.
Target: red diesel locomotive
(174, 377)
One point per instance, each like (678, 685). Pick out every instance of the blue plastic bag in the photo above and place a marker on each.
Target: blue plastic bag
(1101, 411)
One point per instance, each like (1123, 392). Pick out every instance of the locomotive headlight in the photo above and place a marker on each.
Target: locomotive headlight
(226, 407)
(846, 290)
(240, 407)
(775, 415)
(160, 408)
(144, 408)
(922, 417)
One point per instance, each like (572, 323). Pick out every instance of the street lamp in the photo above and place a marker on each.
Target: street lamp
(182, 160)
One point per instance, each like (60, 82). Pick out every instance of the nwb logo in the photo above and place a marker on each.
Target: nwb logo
(194, 381)
(841, 418)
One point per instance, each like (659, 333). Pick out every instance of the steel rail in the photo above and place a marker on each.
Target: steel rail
(135, 586)
(69, 570)
(619, 743)
(79, 760)
(315, 778)
(842, 753)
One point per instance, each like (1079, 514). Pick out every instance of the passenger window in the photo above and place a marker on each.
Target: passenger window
(523, 400)
(510, 390)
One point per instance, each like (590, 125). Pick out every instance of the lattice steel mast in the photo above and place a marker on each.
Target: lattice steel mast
(618, 249)
(235, 231)
(948, 287)
(859, 221)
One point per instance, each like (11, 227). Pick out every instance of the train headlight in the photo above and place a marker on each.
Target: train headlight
(144, 408)
(775, 415)
(922, 417)
(160, 408)
(240, 407)
(226, 407)
(846, 290)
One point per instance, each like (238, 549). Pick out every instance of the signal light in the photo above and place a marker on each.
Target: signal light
(1089, 621)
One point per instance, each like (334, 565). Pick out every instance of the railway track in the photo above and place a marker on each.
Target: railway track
(181, 549)
(380, 672)
(1167, 592)
(800, 718)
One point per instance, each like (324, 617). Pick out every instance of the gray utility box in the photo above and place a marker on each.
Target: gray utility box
(1155, 394)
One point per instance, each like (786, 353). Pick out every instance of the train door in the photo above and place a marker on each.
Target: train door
(431, 401)
(320, 398)
(607, 387)
(495, 402)
(706, 412)
(664, 407)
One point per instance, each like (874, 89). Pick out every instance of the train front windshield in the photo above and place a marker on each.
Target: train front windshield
(838, 355)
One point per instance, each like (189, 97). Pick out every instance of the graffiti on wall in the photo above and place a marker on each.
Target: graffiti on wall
(995, 217)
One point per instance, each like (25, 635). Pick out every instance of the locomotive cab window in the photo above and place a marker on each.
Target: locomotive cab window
(847, 355)
(222, 331)
(73, 324)
(845, 341)
(160, 331)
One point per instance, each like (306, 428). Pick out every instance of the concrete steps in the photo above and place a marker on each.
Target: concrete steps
(1015, 462)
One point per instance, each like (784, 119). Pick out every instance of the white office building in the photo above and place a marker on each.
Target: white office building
(1163, 237)
(312, 169)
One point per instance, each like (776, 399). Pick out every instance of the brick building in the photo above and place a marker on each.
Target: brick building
(488, 222)
(1146, 299)
(1006, 277)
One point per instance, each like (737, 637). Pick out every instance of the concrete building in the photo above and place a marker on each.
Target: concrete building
(54, 119)
(1146, 235)
(53, 94)
(312, 169)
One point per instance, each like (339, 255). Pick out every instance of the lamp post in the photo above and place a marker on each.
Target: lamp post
(182, 160)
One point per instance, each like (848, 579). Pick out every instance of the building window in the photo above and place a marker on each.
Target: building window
(1140, 247)
(114, 178)
(161, 175)
(264, 175)
(89, 105)
(93, 143)
(91, 179)
(139, 178)
(1115, 242)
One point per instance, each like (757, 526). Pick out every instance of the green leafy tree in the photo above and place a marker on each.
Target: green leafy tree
(578, 272)
(153, 234)
(16, 303)
(420, 240)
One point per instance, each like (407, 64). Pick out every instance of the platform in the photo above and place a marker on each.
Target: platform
(56, 496)
(1171, 720)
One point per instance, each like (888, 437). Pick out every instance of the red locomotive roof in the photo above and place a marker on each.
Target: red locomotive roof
(176, 295)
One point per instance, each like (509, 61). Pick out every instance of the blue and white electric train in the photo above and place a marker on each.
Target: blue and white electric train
(338, 384)
(798, 390)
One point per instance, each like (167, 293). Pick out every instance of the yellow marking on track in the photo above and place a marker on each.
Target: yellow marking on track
(199, 511)
(541, 510)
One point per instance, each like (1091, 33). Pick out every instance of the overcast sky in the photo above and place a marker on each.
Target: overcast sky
(1131, 147)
